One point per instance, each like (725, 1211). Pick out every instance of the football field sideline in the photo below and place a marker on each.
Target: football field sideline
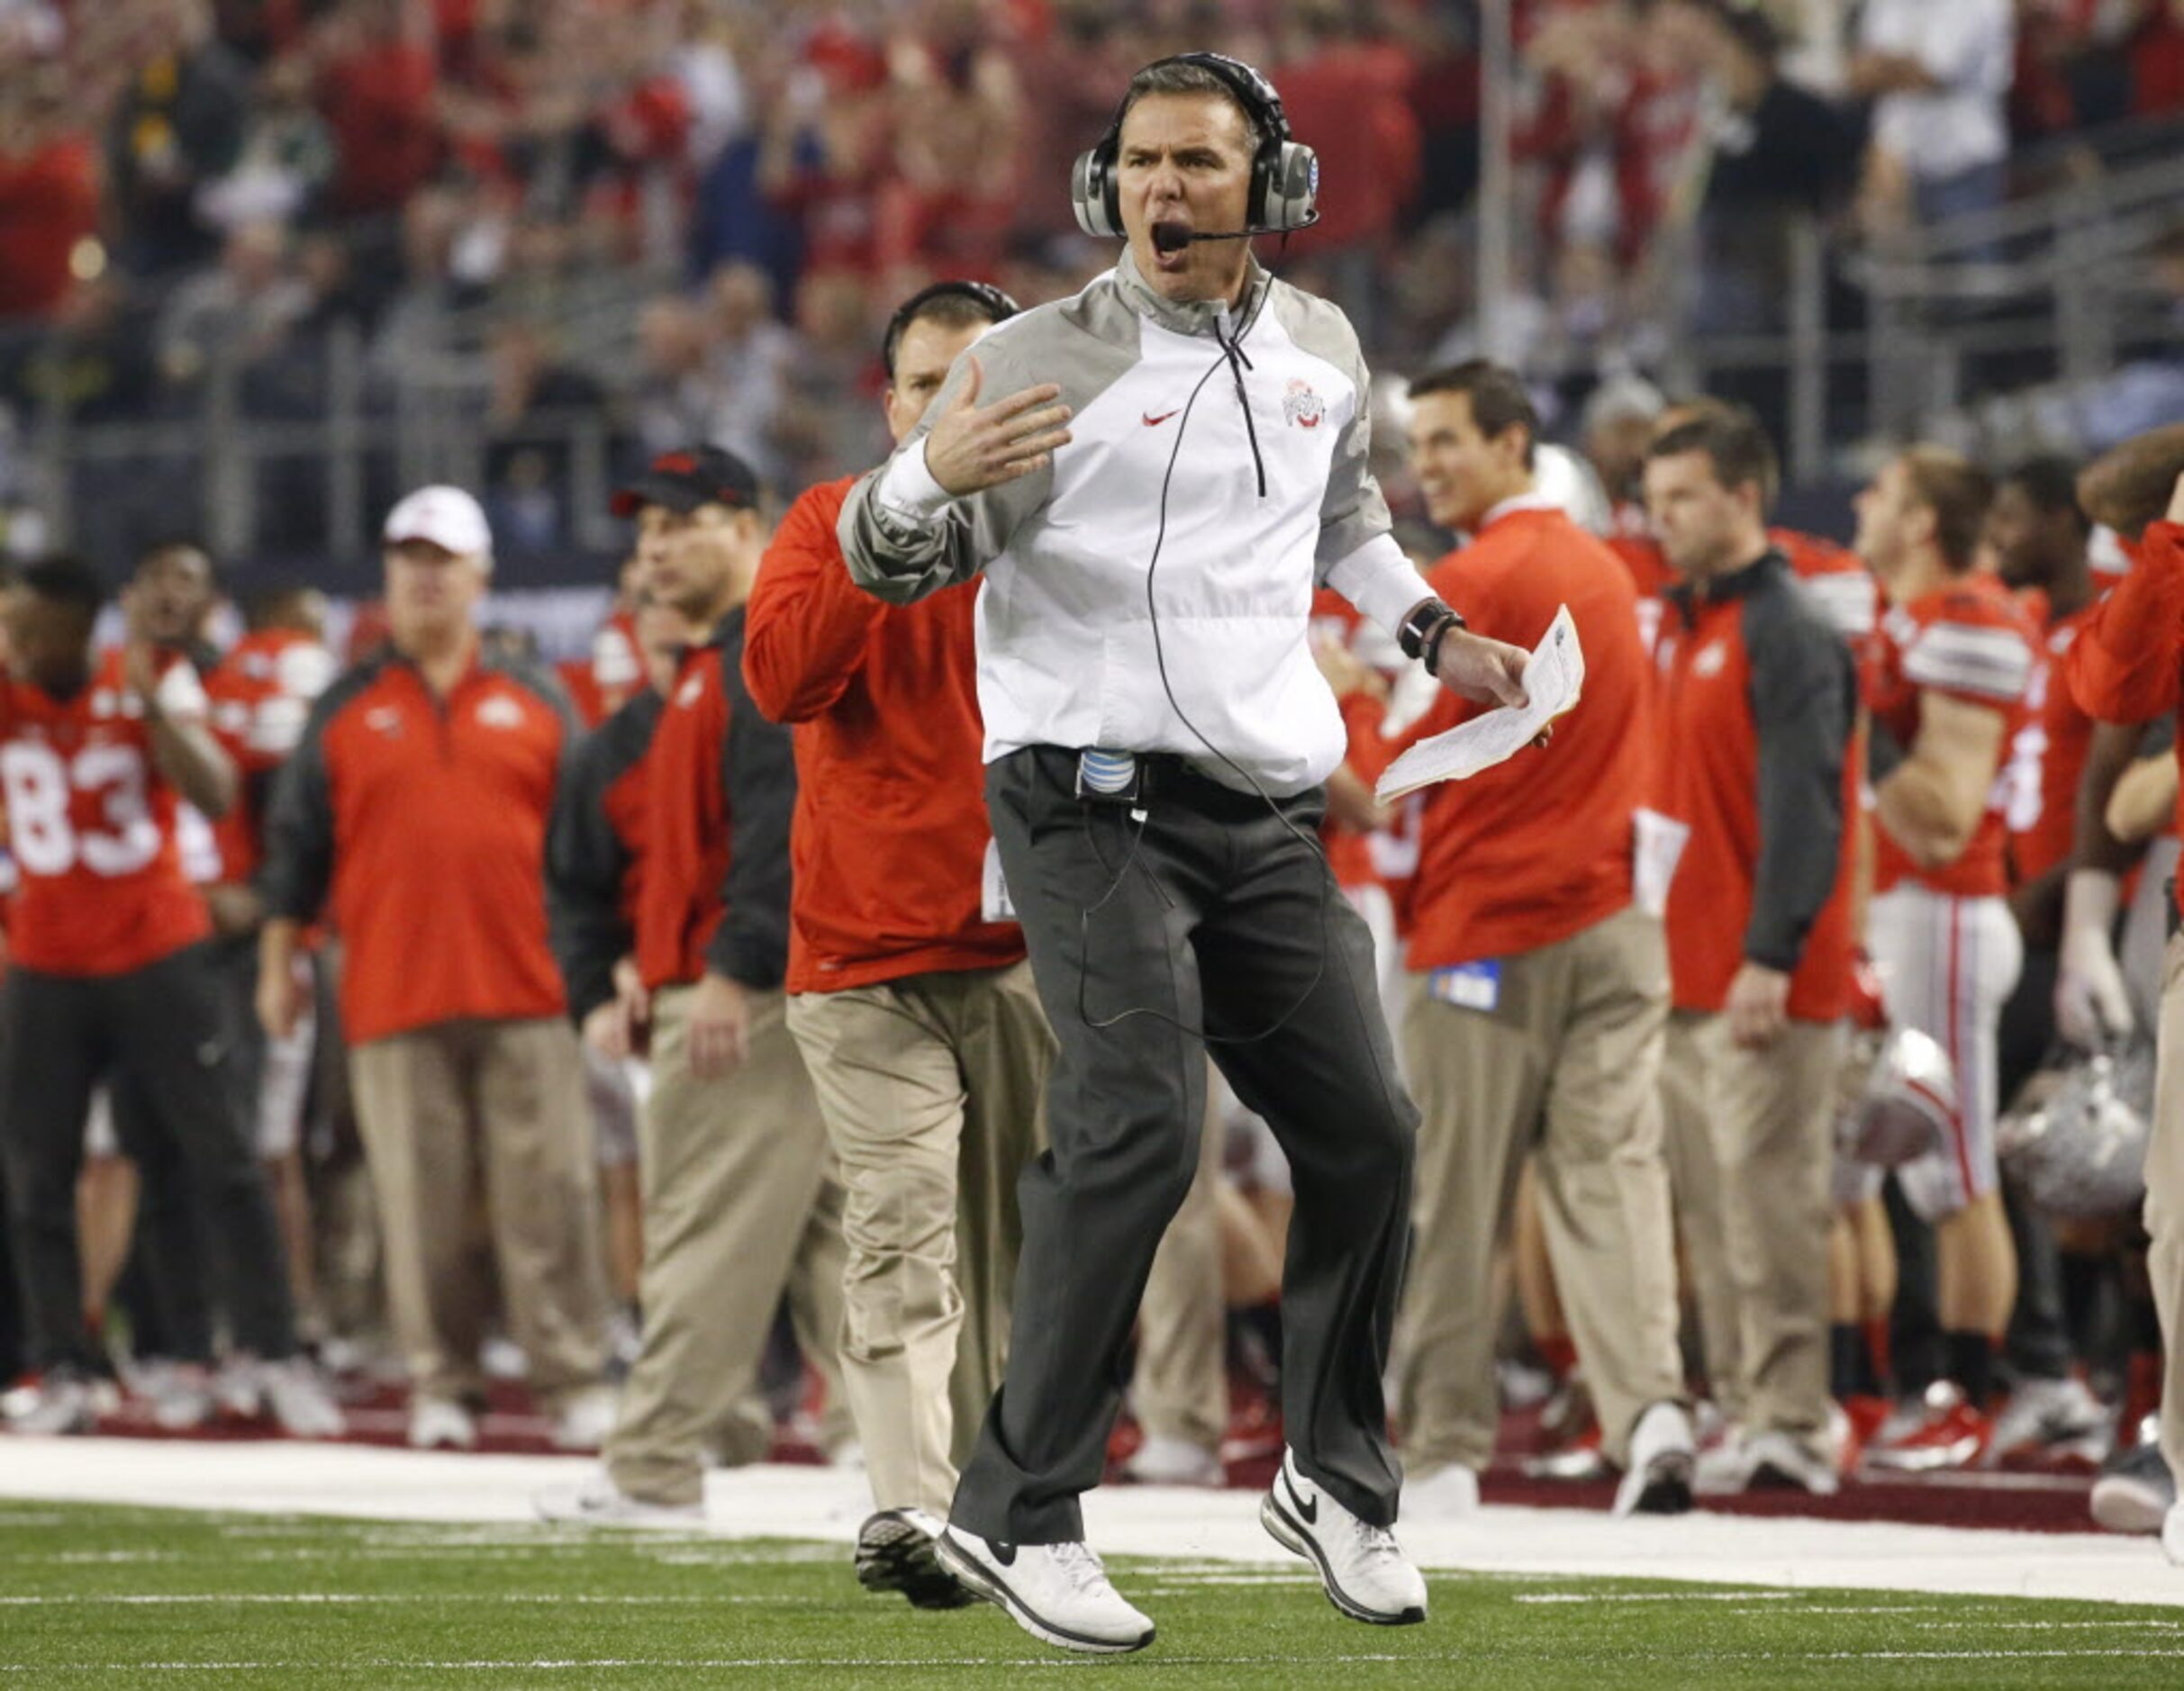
(1207, 1530)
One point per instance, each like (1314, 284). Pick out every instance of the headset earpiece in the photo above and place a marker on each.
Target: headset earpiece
(1292, 189)
(1093, 192)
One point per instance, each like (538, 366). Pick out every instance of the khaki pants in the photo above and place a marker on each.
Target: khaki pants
(740, 1204)
(1180, 1389)
(486, 1115)
(1751, 1157)
(2165, 1200)
(1567, 1066)
(931, 1090)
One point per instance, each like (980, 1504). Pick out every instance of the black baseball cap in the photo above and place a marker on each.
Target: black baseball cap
(683, 480)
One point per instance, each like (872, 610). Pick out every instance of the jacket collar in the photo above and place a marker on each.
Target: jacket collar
(1186, 317)
(1690, 597)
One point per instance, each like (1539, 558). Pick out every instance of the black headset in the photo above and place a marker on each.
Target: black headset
(1284, 172)
(997, 306)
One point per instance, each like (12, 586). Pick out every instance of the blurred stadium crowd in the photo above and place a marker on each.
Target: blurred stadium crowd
(197, 194)
(680, 217)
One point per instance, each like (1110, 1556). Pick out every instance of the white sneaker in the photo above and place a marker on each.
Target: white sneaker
(2046, 1414)
(1365, 1570)
(598, 1501)
(1445, 1493)
(1058, 1593)
(299, 1401)
(1166, 1462)
(237, 1393)
(441, 1423)
(2172, 1534)
(1657, 1479)
(62, 1404)
(1770, 1459)
(586, 1419)
(179, 1394)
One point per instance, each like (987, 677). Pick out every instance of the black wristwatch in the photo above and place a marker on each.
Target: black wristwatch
(1425, 629)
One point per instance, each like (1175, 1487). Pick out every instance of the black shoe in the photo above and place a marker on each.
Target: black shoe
(894, 1552)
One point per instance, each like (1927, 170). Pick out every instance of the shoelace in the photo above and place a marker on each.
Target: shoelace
(1082, 1564)
(1376, 1541)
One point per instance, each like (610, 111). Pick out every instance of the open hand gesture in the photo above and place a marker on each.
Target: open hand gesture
(973, 447)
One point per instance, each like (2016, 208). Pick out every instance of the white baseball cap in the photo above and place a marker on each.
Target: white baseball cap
(447, 517)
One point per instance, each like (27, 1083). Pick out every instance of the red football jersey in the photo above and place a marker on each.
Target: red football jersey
(91, 824)
(2048, 759)
(261, 696)
(1969, 640)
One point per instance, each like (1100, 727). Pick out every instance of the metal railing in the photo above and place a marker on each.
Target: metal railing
(2054, 287)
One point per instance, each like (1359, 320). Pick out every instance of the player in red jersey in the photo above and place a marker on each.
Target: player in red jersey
(110, 975)
(1954, 665)
(2040, 542)
(261, 694)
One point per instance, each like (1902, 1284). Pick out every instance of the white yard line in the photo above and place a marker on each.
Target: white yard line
(281, 1478)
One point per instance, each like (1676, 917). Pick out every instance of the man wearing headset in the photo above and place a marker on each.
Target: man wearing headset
(908, 995)
(1180, 460)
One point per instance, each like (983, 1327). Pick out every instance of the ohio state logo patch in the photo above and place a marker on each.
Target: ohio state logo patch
(1302, 406)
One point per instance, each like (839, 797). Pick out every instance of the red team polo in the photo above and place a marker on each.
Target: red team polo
(423, 819)
(1536, 849)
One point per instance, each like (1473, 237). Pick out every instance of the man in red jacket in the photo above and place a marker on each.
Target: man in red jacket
(1539, 987)
(909, 992)
(2124, 666)
(1759, 697)
(414, 811)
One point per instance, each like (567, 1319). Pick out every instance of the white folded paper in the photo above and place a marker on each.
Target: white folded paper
(1552, 681)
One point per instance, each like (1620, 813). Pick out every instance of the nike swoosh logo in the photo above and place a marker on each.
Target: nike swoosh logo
(1152, 421)
(1308, 1507)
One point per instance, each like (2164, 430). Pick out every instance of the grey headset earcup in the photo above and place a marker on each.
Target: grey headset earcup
(1292, 197)
(1088, 195)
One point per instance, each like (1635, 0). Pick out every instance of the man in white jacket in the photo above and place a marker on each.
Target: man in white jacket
(1179, 462)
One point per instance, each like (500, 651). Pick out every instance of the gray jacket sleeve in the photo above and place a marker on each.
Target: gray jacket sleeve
(900, 558)
(1804, 699)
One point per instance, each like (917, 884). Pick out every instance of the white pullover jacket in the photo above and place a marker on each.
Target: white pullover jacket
(1072, 601)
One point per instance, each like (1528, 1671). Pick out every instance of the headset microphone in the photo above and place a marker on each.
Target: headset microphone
(1168, 237)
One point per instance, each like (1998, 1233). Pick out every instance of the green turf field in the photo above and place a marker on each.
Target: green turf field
(131, 1596)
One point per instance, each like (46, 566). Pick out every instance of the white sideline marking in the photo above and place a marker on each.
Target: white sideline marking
(557, 1599)
(1012, 1662)
(491, 1496)
(1654, 1596)
(1979, 1655)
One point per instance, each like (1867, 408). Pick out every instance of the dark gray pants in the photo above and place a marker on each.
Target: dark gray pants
(1222, 919)
(166, 1284)
(161, 1030)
